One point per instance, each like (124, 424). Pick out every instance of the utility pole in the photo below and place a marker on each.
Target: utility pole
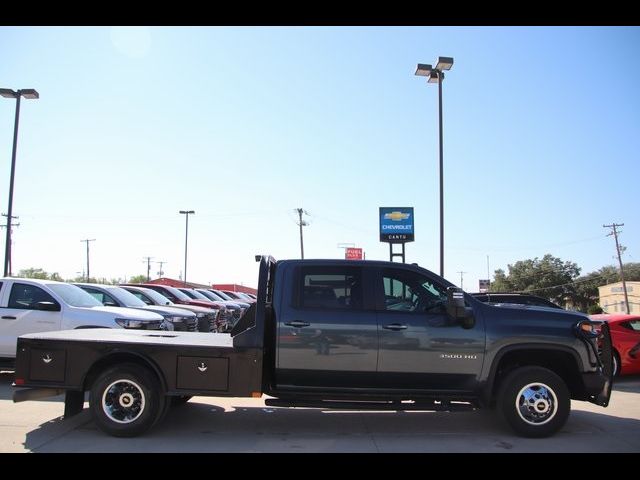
(87, 242)
(10, 225)
(461, 279)
(160, 272)
(615, 232)
(148, 259)
(186, 213)
(488, 274)
(301, 224)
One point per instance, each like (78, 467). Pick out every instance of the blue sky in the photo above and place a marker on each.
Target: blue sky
(245, 124)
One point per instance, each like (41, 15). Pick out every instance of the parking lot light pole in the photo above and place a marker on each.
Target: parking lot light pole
(186, 237)
(8, 93)
(436, 75)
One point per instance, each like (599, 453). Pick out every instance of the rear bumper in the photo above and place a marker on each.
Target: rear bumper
(25, 394)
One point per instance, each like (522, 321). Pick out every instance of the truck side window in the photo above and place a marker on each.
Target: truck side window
(330, 288)
(102, 297)
(26, 296)
(407, 291)
(142, 297)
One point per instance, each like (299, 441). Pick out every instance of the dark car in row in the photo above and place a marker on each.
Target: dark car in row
(113, 296)
(514, 299)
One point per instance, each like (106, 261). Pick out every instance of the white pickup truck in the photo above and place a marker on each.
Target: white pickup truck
(31, 306)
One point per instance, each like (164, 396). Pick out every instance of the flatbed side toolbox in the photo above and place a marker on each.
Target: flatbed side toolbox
(203, 373)
(47, 365)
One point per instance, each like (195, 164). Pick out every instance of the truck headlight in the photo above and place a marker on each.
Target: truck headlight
(130, 323)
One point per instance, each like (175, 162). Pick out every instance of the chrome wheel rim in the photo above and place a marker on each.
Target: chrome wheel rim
(123, 401)
(536, 404)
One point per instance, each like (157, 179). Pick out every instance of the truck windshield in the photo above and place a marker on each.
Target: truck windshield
(177, 293)
(157, 297)
(128, 299)
(74, 296)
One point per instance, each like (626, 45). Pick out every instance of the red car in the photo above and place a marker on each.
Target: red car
(625, 337)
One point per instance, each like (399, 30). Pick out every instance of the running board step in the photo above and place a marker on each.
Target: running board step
(355, 405)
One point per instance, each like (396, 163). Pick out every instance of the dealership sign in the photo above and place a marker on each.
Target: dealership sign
(353, 253)
(396, 224)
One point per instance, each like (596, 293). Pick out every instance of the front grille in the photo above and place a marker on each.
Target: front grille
(212, 317)
(192, 326)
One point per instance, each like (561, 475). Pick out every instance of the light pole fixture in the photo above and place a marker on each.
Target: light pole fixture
(186, 237)
(8, 93)
(436, 75)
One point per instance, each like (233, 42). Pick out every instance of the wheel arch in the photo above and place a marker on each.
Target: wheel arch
(561, 360)
(116, 358)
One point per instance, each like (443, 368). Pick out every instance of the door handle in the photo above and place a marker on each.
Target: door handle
(297, 324)
(395, 327)
(9, 317)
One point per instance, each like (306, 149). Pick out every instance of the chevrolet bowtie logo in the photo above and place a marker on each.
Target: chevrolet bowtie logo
(396, 216)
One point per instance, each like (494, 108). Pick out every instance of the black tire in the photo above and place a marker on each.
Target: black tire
(615, 364)
(534, 401)
(181, 400)
(126, 400)
(162, 413)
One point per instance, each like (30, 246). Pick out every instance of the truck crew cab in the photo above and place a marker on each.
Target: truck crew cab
(337, 334)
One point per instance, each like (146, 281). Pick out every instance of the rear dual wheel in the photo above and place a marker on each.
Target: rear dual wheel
(126, 400)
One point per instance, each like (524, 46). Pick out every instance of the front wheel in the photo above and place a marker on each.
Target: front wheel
(534, 401)
(126, 400)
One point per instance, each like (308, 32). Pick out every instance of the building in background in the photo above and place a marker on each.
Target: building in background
(173, 282)
(611, 297)
(235, 288)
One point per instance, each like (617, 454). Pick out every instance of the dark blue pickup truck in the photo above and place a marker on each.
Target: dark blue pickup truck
(336, 334)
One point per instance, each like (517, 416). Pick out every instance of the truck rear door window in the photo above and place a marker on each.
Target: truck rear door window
(330, 288)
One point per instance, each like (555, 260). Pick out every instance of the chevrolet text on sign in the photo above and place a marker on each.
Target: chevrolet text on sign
(396, 224)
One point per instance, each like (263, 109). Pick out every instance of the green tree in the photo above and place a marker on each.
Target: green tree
(586, 292)
(549, 277)
(33, 273)
(138, 279)
(39, 273)
(594, 309)
(500, 282)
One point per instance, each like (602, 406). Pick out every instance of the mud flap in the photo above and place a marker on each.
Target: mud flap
(606, 359)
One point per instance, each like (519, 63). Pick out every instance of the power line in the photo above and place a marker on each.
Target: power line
(590, 279)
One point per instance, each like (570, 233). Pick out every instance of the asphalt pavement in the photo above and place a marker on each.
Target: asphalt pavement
(207, 424)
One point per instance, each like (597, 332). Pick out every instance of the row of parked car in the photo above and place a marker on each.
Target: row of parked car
(30, 306)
